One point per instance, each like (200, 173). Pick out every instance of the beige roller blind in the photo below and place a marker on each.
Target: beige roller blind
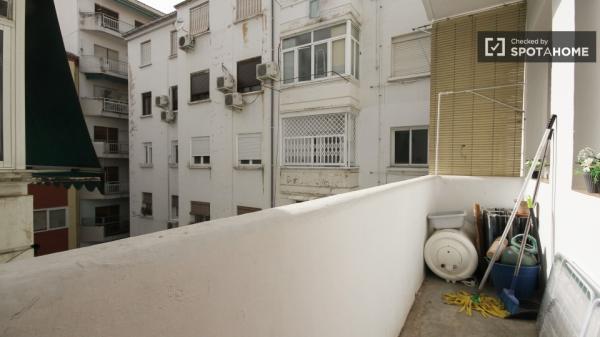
(477, 137)
(200, 208)
(199, 19)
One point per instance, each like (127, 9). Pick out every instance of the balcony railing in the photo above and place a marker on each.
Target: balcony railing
(116, 187)
(104, 22)
(96, 64)
(116, 148)
(115, 106)
(108, 226)
(315, 151)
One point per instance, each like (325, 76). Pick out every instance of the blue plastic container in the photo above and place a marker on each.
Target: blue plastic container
(527, 280)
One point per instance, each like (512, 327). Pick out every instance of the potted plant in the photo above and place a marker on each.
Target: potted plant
(539, 170)
(589, 163)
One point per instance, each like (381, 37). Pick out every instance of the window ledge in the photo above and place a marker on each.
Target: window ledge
(408, 78)
(174, 56)
(320, 168)
(145, 65)
(199, 101)
(248, 167)
(324, 80)
(142, 165)
(200, 34)
(407, 169)
(585, 192)
(257, 92)
(149, 217)
(199, 166)
(173, 165)
(247, 18)
(146, 116)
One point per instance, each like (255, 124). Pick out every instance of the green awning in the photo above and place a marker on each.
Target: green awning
(56, 132)
(78, 179)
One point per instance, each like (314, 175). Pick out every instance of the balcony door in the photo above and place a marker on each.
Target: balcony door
(107, 214)
(106, 11)
(106, 135)
(106, 53)
(111, 174)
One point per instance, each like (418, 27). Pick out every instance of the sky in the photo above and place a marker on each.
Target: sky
(165, 6)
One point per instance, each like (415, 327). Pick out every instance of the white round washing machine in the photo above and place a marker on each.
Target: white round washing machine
(449, 252)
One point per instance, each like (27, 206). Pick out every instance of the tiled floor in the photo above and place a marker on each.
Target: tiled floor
(430, 317)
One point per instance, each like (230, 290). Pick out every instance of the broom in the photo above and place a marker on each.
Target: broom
(488, 305)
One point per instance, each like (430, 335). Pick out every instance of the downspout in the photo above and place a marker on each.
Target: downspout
(272, 120)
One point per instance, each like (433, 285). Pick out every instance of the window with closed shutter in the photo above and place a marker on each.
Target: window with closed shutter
(173, 44)
(249, 149)
(200, 211)
(200, 151)
(247, 8)
(145, 52)
(411, 55)
(477, 135)
(199, 19)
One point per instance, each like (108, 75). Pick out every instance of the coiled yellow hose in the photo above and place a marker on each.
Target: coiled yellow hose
(486, 305)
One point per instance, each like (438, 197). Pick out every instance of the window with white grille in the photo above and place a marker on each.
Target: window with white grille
(173, 41)
(199, 19)
(249, 149)
(247, 8)
(411, 55)
(146, 53)
(200, 151)
(319, 140)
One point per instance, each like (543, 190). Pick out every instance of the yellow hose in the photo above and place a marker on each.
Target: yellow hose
(486, 305)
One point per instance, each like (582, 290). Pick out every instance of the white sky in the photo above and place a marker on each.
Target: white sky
(165, 6)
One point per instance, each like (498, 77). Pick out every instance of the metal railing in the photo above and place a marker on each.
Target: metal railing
(115, 106)
(116, 148)
(112, 23)
(115, 187)
(327, 150)
(98, 64)
(114, 66)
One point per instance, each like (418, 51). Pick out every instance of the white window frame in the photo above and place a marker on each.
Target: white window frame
(173, 44)
(410, 140)
(405, 38)
(47, 210)
(350, 41)
(252, 161)
(8, 92)
(201, 30)
(203, 162)
(145, 62)
(147, 146)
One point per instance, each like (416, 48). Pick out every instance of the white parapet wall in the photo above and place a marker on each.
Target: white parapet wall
(346, 265)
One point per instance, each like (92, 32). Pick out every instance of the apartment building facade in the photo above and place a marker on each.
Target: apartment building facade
(92, 31)
(349, 108)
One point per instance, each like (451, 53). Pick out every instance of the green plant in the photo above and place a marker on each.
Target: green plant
(589, 162)
(538, 165)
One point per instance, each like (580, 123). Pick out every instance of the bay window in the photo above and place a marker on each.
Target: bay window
(319, 140)
(322, 53)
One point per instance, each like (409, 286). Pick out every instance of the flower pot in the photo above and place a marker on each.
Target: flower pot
(535, 174)
(590, 186)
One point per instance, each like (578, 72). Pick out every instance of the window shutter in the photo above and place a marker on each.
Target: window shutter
(200, 146)
(199, 19)
(173, 43)
(476, 137)
(200, 208)
(249, 146)
(247, 8)
(411, 55)
(146, 53)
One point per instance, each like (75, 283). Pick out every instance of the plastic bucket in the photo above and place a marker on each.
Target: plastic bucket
(527, 280)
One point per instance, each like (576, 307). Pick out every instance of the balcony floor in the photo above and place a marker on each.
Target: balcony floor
(430, 317)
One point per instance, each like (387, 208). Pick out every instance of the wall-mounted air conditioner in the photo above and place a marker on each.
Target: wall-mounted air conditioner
(162, 101)
(234, 101)
(225, 83)
(266, 71)
(168, 116)
(186, 42)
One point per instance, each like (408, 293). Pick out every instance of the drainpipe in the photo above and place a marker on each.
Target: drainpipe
(272, 121)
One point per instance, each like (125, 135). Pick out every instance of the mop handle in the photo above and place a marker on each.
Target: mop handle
(513, 284)
(513, 214)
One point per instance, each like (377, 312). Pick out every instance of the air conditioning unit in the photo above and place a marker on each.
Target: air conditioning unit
(266, 71)
(234, 101)
(186, 42)
(172, 224)
(162, 101)
(225, 83)
(168, 116)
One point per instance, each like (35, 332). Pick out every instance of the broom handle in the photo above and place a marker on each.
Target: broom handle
(513, 214)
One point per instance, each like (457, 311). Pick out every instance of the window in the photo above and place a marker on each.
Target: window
(107, 215)
(321, 54)
(174, 160)
(409, 146)
(199, 19)
(147, 104)
(2, 96)
(247, 8)
(411, 55)
(5, 10)
(108, 12)
(249, 149)
(200, 211)
(138, 24)
(106, 135)
(200, 151)
(106, 53)
(146, 209)
(111, 174)
(173, 44)
(313, 9)
(49, 219)
(246, 75)
(319, 140)
(174, 93)
(147, 154)
(200, 86)
(146, 53)
(245, 210)
(174, 207)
